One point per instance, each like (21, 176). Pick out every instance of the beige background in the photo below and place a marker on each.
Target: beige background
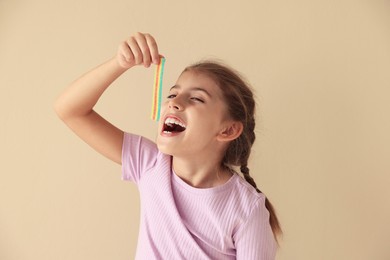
(321, 70)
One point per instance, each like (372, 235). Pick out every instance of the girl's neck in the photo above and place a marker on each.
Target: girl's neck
(207, 174)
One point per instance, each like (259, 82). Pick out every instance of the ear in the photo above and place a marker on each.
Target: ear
(232, 131)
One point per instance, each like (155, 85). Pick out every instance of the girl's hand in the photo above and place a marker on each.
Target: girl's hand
(140, 48)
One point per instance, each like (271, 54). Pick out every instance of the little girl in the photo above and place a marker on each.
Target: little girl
(194, 205)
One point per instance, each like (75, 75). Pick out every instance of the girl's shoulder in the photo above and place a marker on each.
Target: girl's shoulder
(246, 195)
(135, 138)
(246, 188)
(140, 155)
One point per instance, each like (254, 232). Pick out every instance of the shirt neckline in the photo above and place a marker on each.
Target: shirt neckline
(205, 191)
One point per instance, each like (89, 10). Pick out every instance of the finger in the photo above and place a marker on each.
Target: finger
(123, 62)
(153, 48)
(144, 49)
(125, 52)
(136, 51)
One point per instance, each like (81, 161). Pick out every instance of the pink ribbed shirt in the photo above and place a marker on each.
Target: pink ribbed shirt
(179, 221)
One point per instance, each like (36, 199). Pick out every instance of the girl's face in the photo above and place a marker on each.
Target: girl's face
(192, 116)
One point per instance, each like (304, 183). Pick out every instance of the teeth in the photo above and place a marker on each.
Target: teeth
(171, 120)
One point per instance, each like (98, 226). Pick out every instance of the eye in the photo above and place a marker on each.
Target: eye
(197, 99)
(171, 96)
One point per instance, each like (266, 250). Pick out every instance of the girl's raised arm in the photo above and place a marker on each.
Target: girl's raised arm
(75, 104)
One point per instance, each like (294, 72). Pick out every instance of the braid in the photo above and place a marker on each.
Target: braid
(273, 219)
(250, 137)
(245, 170)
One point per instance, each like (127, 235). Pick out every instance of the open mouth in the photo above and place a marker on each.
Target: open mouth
(173, 125)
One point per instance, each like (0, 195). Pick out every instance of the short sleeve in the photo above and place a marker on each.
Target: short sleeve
(255, 239)
(138, 155)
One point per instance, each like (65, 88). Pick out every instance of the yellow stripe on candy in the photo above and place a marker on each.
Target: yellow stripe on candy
(157, 89)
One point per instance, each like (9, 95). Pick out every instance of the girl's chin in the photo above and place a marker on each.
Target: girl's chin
(164, 148)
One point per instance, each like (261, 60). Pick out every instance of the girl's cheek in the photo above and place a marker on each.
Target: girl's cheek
(163, 109)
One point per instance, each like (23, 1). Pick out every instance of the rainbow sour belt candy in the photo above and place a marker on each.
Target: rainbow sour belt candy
(157, 89)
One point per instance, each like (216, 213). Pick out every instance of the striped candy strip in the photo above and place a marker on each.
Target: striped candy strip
(157, 89)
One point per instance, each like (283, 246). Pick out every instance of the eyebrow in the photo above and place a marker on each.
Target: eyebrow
(192, 89)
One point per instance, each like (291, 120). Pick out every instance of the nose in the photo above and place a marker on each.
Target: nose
(175, 104)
